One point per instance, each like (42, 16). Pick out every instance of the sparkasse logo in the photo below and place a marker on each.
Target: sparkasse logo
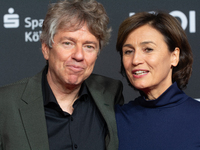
(11, 20)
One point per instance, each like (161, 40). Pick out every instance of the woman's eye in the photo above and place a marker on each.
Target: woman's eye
(148, 49)
(127, 52)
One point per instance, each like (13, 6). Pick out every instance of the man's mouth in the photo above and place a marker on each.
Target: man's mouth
(76, 68)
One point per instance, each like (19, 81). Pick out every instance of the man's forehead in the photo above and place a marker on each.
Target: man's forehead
(68, 33)
(75, 28)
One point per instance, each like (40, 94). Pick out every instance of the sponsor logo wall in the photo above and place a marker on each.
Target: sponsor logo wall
(21, 22)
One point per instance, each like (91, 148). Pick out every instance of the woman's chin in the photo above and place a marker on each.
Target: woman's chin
(140, 86)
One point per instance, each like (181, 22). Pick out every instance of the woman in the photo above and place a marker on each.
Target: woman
(156, 59)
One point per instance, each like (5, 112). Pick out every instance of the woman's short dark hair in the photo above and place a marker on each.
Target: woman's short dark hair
(174, 36)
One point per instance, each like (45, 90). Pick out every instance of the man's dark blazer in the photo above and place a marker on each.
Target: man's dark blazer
(22, 117)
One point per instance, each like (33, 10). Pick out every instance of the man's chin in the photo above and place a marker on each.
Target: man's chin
(75, 81)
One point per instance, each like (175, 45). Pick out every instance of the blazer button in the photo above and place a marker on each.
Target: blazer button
(75, 146)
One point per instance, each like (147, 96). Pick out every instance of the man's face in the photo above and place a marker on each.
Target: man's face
(72, 56)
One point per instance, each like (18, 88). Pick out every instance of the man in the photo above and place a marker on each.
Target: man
(64, 106)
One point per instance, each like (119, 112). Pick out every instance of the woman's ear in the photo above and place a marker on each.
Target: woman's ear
(175, 57)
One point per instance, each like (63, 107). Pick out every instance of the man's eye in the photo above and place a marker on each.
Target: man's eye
(66, 43)
(89, 48)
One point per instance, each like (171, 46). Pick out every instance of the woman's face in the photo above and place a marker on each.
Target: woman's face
(148, 62)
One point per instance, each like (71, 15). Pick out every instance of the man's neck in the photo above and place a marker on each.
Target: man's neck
(65, 95)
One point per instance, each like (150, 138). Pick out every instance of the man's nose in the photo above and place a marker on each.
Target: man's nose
(78, 53)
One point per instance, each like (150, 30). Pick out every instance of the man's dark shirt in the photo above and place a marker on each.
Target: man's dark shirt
(85, 129)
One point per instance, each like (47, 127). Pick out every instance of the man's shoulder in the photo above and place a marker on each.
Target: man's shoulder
(103, 80)
(18, 86)
(98, 82)
(10, 95)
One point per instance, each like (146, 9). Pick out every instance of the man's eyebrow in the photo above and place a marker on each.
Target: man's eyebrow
(91, 42)
(67, 38)
(74, 40)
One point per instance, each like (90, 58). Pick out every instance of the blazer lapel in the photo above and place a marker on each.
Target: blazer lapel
(33, 116)
(105, 103)
(96, 91)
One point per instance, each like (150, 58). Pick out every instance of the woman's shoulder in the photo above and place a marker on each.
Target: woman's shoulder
(127, 107)
(193, 103)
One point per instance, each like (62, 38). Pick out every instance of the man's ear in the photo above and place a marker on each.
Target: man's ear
(175, 57)
(45, 51)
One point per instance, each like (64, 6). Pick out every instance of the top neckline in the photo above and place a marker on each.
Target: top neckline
(171, 97)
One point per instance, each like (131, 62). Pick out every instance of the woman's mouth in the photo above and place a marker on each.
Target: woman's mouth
(140, 72)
